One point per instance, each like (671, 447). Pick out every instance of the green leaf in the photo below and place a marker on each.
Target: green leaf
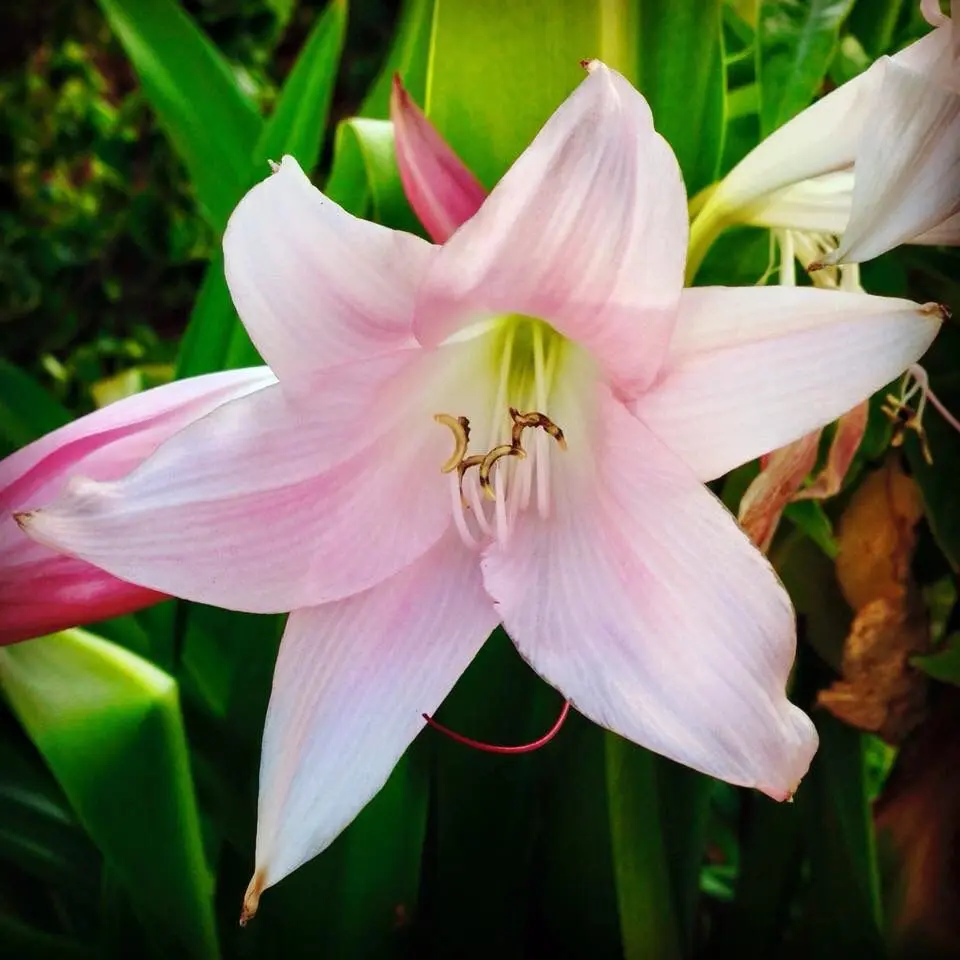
(796, 42)
(27, 411)
(207, 339)
(38, 832)
(359, 897)
(573, 852)
(944, 664)
(842, 913)
(215, 339)
(874, 22)
(485, 806)
(503, 66)
(809, 517)
(408, 57)
(299, 118)
(371, 143)
(109, 726)
(19, 940)
(770, 859)
(211, 122)
(649, 922)
(681, 73)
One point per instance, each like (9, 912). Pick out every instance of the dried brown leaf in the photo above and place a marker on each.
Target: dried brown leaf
(879, 691)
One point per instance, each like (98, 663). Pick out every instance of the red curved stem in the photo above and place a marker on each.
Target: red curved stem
(496, 748)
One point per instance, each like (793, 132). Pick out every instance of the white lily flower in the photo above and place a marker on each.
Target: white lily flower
(877, 161)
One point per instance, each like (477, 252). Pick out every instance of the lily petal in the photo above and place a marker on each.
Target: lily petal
(42, 591)
(352, 683)
(846, 440)
(908, 166)
(314, 286)
(646, 606)
(266, 505)
(819, 205)
(441, 190)
(588, 230)
(825, 137)
(773, 488)
(751, 370)
(946, 233)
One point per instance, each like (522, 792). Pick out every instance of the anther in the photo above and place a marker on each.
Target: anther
(906, 419)
(474, 460)
(496, 748)
(534, 419)
(460, 426)
(497, 453)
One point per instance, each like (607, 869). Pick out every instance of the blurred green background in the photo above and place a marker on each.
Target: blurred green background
(102, 247)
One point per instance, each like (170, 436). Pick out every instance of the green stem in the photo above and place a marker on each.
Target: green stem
(707, 225)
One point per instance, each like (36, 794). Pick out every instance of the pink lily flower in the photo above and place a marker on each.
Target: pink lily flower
(514, 427)
(42, 591)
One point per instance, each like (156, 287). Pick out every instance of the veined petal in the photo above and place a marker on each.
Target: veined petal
(846, 440)
(819, 205)
(588, 230)
(908, 166)
(352, 683)
(267, 505)
(644, 604)
(315, 286)
(945, 234)
(442, 191)
(753, 369)
(773, 488)
(110, 442)
(42, 591)
(823, 138)
(819, 140)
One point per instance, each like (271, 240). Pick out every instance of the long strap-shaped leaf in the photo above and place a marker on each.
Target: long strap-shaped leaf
(214, 339)
(213, 125)
(109, 726)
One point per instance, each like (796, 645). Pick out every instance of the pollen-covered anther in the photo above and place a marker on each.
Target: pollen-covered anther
(460, 427)
(497, 453)
(534, 419)
(904, 418)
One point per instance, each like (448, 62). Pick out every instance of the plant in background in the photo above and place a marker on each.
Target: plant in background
(586, 398)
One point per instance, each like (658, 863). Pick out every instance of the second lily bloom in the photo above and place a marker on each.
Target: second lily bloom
(876, 161)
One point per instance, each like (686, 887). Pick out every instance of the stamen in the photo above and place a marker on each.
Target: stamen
(461, 436)
(533, 419)
(497, 748)
(916, 381)
(543, 451)
(788, 253)
(474, 460)
(923, 383)
(459, 515)
(906, 419)
(500, 507)
(497, 453)
(505, 361)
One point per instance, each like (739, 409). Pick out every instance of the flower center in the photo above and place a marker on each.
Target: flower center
(490, 484)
